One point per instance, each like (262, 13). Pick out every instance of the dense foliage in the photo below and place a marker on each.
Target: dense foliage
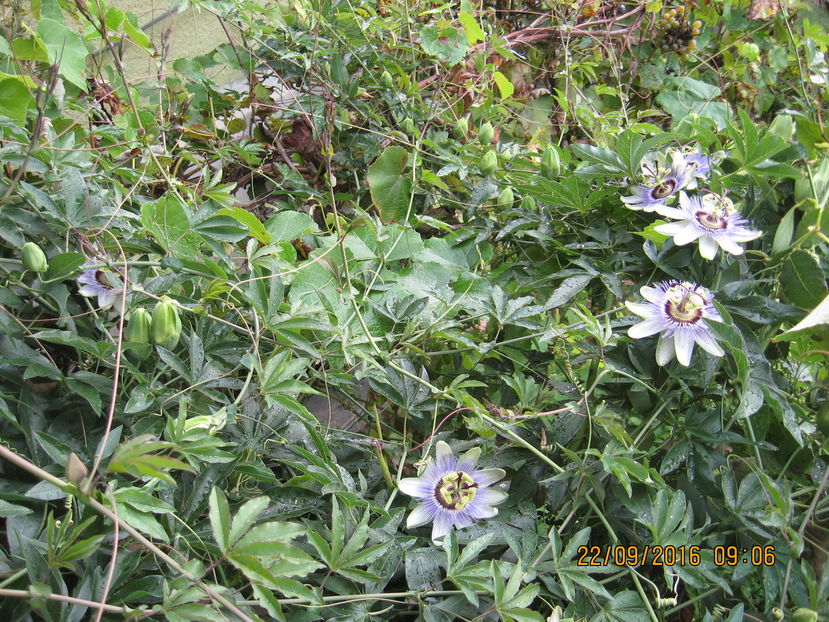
(421, 213)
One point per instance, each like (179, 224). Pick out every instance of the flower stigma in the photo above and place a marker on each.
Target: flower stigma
(455, 490)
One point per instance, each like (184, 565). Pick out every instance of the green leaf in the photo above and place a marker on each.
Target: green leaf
(31, 48)
(66, 50)
(245, 517)
(444, 41)
(784, 233)
(219, 515)
(390, 188)
(471, 29)
(802, 279)
(15, 99)
(254, 225)
(142, 521)
(10, 509)
(290, 225)
(167, 222)
(504, 85)
(62, 265)
(817, 317)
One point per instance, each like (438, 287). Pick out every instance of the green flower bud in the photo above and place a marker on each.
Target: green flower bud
(462, 127)
(386, 80)
(550, 163)
(486, 134)
(804, 615)
(528, 203)
(489, 162)
(139, 330)
(34, 259)
(507, 197)
(166, 325)
(777, 613)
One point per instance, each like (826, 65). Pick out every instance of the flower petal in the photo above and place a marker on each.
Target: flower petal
(470, 458)
(687, 234)
(670, 228)
(413, 486)
(441, 527)
(486, 477)
(664, 350)
(707, 342)
(707, 247)
(639, 308)
(419, 516)
(482, 511)
(649, 327)
(729, 245)
(490, 496)
(652, 294)
(462, 520)
(684, 344)
(442, 451)
(670, 212)
(88, 290)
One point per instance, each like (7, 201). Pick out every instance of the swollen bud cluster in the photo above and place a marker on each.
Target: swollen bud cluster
(34, 259)
(166, 324)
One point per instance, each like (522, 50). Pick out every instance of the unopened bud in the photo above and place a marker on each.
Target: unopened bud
(507, 197)
(550, 163)
(166, 325)
(34, 259)
(75, 469)
(486, 134)
(489, 162)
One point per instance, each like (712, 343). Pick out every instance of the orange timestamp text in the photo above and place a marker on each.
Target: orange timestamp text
(657, 555)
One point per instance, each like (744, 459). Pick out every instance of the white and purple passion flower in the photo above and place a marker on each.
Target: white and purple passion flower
(698, 162)
(679, 312)
(452, 492)
(712, 220)
(94, 282)
(661, 183)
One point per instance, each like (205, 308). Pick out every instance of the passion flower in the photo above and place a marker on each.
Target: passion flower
(679, 311)
(712, 220)
(452, 492)
(661, 183)
(96, 282)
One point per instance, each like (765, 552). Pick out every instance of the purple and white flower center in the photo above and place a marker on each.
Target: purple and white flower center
(684, 304)
(454, 491)
(663, 189)
(715, 212)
